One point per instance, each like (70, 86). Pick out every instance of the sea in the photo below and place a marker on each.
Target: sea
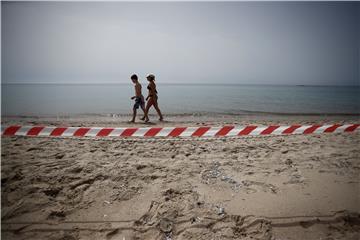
(73, 99)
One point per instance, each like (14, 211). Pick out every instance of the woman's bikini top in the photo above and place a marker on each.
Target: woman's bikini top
(149, 88)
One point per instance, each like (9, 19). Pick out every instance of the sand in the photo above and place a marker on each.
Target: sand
(283, 187)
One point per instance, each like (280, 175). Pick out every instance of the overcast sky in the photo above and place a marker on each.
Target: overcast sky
(237, 42)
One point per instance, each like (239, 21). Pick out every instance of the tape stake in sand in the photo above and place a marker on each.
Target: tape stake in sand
(175, 131)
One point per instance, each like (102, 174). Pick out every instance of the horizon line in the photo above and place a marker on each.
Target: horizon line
(169, 83)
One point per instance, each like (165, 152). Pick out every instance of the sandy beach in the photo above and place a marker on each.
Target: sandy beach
(284, 187)
(261, 131)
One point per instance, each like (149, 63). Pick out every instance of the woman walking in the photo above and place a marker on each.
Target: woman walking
(152, 98)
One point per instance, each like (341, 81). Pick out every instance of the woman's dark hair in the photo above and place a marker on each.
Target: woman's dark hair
(134, 77)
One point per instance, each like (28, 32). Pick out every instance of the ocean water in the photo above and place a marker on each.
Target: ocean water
(69, 99)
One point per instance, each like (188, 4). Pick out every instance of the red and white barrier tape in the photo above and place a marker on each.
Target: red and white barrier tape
(175, 131)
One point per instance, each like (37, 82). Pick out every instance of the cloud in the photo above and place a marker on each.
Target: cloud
(241, 42)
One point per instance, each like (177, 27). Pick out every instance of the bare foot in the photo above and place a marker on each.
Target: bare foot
(143, 118)
(161, 119)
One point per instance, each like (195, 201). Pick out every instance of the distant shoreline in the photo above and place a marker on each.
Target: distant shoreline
(178, 84)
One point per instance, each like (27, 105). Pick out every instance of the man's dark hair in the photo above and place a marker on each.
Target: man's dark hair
(134, 76)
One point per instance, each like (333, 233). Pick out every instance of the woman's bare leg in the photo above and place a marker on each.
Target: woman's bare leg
(156, 106)
(148, 105)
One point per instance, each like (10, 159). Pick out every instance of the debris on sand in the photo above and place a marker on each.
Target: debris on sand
(166, 225)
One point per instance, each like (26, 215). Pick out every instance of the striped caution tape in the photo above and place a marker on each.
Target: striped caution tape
(164, 132)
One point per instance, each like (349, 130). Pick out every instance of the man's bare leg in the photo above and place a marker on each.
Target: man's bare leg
(143, 118)
(134, 116)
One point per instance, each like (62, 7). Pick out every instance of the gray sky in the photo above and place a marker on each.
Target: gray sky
(237, 42)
